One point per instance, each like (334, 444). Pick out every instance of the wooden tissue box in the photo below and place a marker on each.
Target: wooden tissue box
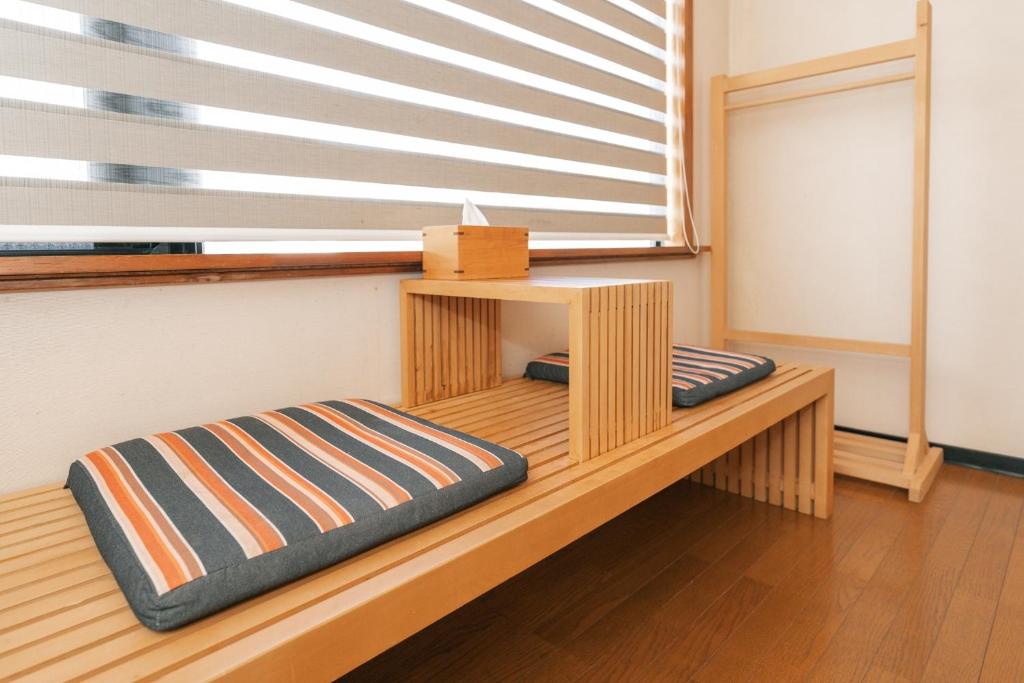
(475, 252)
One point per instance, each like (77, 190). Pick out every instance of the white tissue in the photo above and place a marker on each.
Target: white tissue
(472, 215)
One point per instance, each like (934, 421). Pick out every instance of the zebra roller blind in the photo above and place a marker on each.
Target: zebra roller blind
(351, 115)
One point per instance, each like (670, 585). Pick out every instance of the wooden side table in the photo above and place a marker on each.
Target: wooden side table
(620, 349)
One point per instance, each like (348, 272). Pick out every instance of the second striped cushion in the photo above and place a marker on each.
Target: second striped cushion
(698, 374)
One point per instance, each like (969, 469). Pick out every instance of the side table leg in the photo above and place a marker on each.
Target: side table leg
(408, 352)
(579, 378)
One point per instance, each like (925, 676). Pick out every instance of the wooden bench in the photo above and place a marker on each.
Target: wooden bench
(62, 615)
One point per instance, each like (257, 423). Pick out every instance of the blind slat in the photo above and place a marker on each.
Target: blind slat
(542, 22)
(55, 132)
(225, 24)
(45, 57)
(658, 7)
(619, 18)
(43, 203)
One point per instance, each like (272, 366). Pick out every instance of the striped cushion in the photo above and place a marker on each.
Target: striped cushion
(698, 374)
(198, 519)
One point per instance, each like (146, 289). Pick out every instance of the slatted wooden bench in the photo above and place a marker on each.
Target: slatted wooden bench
(62, 615)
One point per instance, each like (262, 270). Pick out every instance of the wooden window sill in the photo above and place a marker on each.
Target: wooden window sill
(40, 273)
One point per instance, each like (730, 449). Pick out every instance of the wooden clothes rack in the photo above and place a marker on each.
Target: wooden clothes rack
(914, 466)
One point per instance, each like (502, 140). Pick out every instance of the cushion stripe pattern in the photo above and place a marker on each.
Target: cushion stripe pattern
(692, 366)
(179, 507)
(698, 374)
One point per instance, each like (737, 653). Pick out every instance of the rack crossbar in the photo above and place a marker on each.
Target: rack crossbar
(856, 85)
(830, 343)
(879, 54)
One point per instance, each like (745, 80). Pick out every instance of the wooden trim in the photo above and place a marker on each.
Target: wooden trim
(830, 343)
(41, 273)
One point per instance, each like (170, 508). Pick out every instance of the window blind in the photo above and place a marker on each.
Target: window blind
(215, 117)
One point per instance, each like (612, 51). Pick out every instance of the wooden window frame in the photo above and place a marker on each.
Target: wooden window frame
(42, 273)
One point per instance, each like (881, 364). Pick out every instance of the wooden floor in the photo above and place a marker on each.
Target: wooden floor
(697, 584)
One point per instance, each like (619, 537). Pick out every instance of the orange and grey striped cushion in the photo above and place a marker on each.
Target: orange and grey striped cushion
(698, 374)
(194, 520)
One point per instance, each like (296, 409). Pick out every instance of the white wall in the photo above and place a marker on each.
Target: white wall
(821, 208)
(84, 369)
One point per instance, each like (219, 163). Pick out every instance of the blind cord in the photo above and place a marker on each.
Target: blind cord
(687, 203)
(695, 247)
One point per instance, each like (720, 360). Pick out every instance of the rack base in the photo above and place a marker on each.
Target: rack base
(881, 460)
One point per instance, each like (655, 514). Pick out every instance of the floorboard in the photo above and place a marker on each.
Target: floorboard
(1004, 656)
(697, 584)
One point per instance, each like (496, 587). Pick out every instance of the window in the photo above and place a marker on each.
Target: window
(95, 248)
(278, 123)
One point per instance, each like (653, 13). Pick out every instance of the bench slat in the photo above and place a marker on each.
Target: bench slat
(19, 498)
(53, 565)
(43, 529)
(60, 501)
(9, 527)
(39, 588)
